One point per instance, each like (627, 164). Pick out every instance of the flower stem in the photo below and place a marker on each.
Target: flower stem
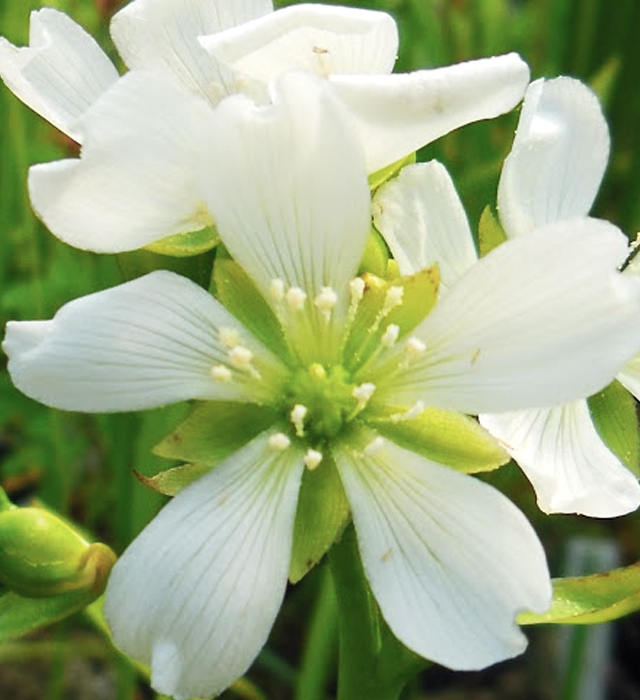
(373, 664)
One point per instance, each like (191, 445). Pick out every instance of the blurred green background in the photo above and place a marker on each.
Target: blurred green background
(83, 465)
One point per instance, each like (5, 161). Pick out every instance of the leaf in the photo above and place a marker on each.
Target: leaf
(236, 290)
(213, 430)
(613, 411)
(322, 514)
(182, 245)
(376, 255)
(446, 437)
(490, 232)
(585, 600)
(171, 481)
(381, 176)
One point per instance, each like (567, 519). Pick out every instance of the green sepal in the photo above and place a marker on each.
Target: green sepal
(490, 232)
(613, 411)
(171, 481)
(182, 245)
(237, 291)
(40, 555)
(376, 255)
(213, 430)
(322, 515)
(585, 600)
(420, 292)
(446, 437)
(380, 176)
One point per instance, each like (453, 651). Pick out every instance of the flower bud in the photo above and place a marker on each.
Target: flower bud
(40, 555)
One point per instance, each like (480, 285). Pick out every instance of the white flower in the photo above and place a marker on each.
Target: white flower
(551, 176)
(450, 560)
(138, 144)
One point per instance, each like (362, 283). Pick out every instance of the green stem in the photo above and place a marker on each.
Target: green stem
(373, 664)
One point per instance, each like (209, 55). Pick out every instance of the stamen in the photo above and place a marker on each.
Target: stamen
(229, 337)
(393, 299)
(276, 290)
(221, 374)
(356, 288)
(240, 357)
(295, 298)
(279, 442)
(325, 301)
(317, 372)
(363, 393)
(414, 412)
(312, 459)
(374, 446)
(414, 347)
(390, 335)
(298, 414)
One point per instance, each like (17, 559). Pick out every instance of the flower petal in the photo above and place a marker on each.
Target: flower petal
(542, 320)
(317, 38)
(563, 456)
(288, 190)
(398, 114)
(60, 74)
(162, 36)
(450, 560)
(146, 343)
(629, 376)
(137, 178)
(558, 158)
(197, 592)
(422, 220)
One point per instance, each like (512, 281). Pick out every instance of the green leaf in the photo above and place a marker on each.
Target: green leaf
(586, 600)
(490, 232)
(322, 514)
(376, 255)
(213, 430)
(446, 437)
(380, 176)
(613, 412)
(236, 290)
(182, 245)
(172, 481)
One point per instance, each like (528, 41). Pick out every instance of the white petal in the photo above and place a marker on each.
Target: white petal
(542, 320)
(398, 114)
(558, 158)
(197, 592)
(61, 73)
(137, 178)
(162, 36)
(422, 220)
(629, 376)
(146, 343)
(450, 560)
(563, 456)
(317, 38)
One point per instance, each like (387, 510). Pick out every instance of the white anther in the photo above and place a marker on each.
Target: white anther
(229, 337)
(240, 357)
(414, 412)
(390, 335)
(221, 374)
(312, 459)
(356, 288)
(374, 446)
(279, 442)
(276, 290)
(326, 299)
(295, 298)
(392, 299)
(414, 347)
(363, 393)
(297, 418)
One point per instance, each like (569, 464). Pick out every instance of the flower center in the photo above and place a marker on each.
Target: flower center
(319, 402)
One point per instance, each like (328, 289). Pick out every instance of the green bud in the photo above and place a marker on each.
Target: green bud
(40, 555)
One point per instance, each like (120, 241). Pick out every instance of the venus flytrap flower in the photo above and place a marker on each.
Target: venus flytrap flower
(139, 144)
(345, 375)
(550, 178)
